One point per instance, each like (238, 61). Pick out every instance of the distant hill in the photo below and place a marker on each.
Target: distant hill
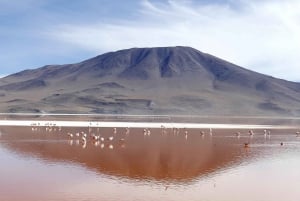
(162, 80)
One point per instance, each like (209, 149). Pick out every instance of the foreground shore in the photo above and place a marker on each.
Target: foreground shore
(139, 124)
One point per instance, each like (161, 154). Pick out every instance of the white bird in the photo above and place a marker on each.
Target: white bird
(95, 137)
(186, 134)
(111, 138)
(83, 146)
(265, 133)
(96, 143)
(70, 135)
(202, 133)
(251, 132)
(127, 131)
(210, 131)
(83, 139)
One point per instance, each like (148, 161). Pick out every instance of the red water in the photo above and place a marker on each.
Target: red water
(165, 165)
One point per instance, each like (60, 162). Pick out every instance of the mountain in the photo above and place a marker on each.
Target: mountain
(162, 80)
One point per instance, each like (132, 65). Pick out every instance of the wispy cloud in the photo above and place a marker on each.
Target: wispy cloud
(261, 35)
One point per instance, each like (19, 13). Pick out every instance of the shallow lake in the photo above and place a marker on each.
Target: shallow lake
(49, 164)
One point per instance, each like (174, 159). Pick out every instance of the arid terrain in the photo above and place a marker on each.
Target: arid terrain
(149, 81)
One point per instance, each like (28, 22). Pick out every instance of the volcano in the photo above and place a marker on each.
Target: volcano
(149, 81)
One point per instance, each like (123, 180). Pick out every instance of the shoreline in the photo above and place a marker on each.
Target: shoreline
(151, 116)
(117, 124)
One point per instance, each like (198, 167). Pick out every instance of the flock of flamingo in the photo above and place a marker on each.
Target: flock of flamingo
(97, 138)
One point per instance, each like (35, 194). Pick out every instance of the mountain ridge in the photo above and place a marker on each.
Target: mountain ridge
(160, 77)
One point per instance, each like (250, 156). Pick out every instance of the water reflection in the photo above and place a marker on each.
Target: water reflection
(173, 160)
(159, 154)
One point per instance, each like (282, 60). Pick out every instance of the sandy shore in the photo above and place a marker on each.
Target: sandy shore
(138, 124)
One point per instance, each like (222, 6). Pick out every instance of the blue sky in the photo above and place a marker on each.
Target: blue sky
(261, 35)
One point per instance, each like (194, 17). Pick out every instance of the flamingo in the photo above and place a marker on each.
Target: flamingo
(96, 143)
(70, 135)
(127, 131)
(83, 146)
(251, 133)
(265, 133)
(83, 140)
(269, 134)
(95, 137)
(148, 132)
(210, 131)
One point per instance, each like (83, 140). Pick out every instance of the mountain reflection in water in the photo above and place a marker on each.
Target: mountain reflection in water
(168, 158)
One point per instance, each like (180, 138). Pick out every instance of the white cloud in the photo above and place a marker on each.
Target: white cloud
(261, 35)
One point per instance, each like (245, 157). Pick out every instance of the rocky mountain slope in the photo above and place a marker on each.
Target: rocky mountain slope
(163, 80)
